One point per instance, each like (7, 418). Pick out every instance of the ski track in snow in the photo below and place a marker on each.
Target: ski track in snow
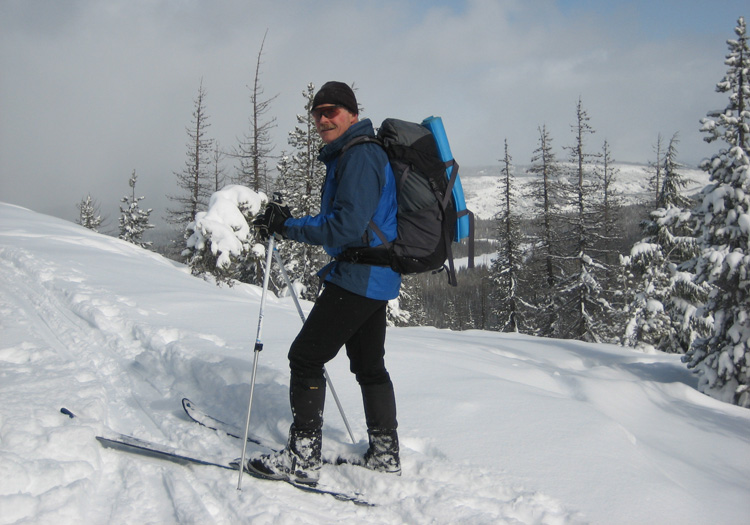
(96, 352)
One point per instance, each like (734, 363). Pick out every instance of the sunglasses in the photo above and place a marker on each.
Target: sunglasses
(328, 112)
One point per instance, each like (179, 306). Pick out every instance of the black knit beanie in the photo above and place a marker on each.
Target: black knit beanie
(336, 93)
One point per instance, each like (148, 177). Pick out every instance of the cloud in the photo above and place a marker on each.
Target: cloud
(92, 90)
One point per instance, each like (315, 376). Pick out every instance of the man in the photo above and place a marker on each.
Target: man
(351, 311)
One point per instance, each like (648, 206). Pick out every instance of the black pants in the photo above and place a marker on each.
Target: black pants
(341, 318)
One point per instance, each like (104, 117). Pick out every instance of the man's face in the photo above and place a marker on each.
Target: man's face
(332, 121)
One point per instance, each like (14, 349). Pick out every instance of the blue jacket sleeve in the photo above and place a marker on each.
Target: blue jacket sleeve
(349, 201)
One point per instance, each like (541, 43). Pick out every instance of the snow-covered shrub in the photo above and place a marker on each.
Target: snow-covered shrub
(221, 240)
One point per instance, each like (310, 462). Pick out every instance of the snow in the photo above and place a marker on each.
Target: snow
(484, 259)
(733, 261)
(483, 195)
(641, 248)
(495, 428)
(224, 223)
(654, 305)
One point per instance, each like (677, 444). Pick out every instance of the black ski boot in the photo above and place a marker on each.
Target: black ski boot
(380, 413)
(299, 462)
(383, 453)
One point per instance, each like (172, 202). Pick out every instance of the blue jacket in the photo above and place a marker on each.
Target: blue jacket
(363, 189)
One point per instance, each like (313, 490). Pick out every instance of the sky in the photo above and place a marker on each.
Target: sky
(92, 90)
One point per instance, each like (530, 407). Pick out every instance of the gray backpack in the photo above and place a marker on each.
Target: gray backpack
(427, 213)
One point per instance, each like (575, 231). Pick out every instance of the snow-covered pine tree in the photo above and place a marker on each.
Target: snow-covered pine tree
(408, 308)
(675, 226)
(545, 189)
(468, 320)
(300, 180)
(606, 245)
(195, 180)
(670, 194)
(544, 266)
(88, 213)
(722, 359)
(582, 309)
(454, 321)
(647, 287)
(506, 268)
(609, 206)
(221, 241)
(663, 305)
(134, 220)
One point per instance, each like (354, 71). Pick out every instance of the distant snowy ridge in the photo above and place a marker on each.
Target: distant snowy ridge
(483, 196)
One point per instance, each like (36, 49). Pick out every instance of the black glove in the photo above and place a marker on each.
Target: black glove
(271, 221)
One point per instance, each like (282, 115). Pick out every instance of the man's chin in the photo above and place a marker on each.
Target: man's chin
(329, 135)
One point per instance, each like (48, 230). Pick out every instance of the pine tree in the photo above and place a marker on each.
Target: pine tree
(609, 208)
(195, 179)
(647, 283)
(582, 308)
(670, 193)
(545, 190)
(221, 242)
(606, 247)
(722, 359)
(89, 215)
(300, 180)
(134, 221)
(254, 151)
(675, 229)
(507, 266)
(219, 175)
(408, 308)
(656, 180)
(731, 123)
(544, 266)
(664, 301)
(453, 318)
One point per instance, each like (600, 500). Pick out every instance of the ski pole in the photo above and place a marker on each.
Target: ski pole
(258, 348)
(302, 316)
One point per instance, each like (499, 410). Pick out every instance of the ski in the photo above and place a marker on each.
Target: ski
(354, 498)
(208, 421)
(154, 450)
(125, 443)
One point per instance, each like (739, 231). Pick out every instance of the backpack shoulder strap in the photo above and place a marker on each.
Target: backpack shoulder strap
(361, 139)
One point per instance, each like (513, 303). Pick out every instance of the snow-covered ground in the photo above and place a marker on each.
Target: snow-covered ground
(495, 428)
